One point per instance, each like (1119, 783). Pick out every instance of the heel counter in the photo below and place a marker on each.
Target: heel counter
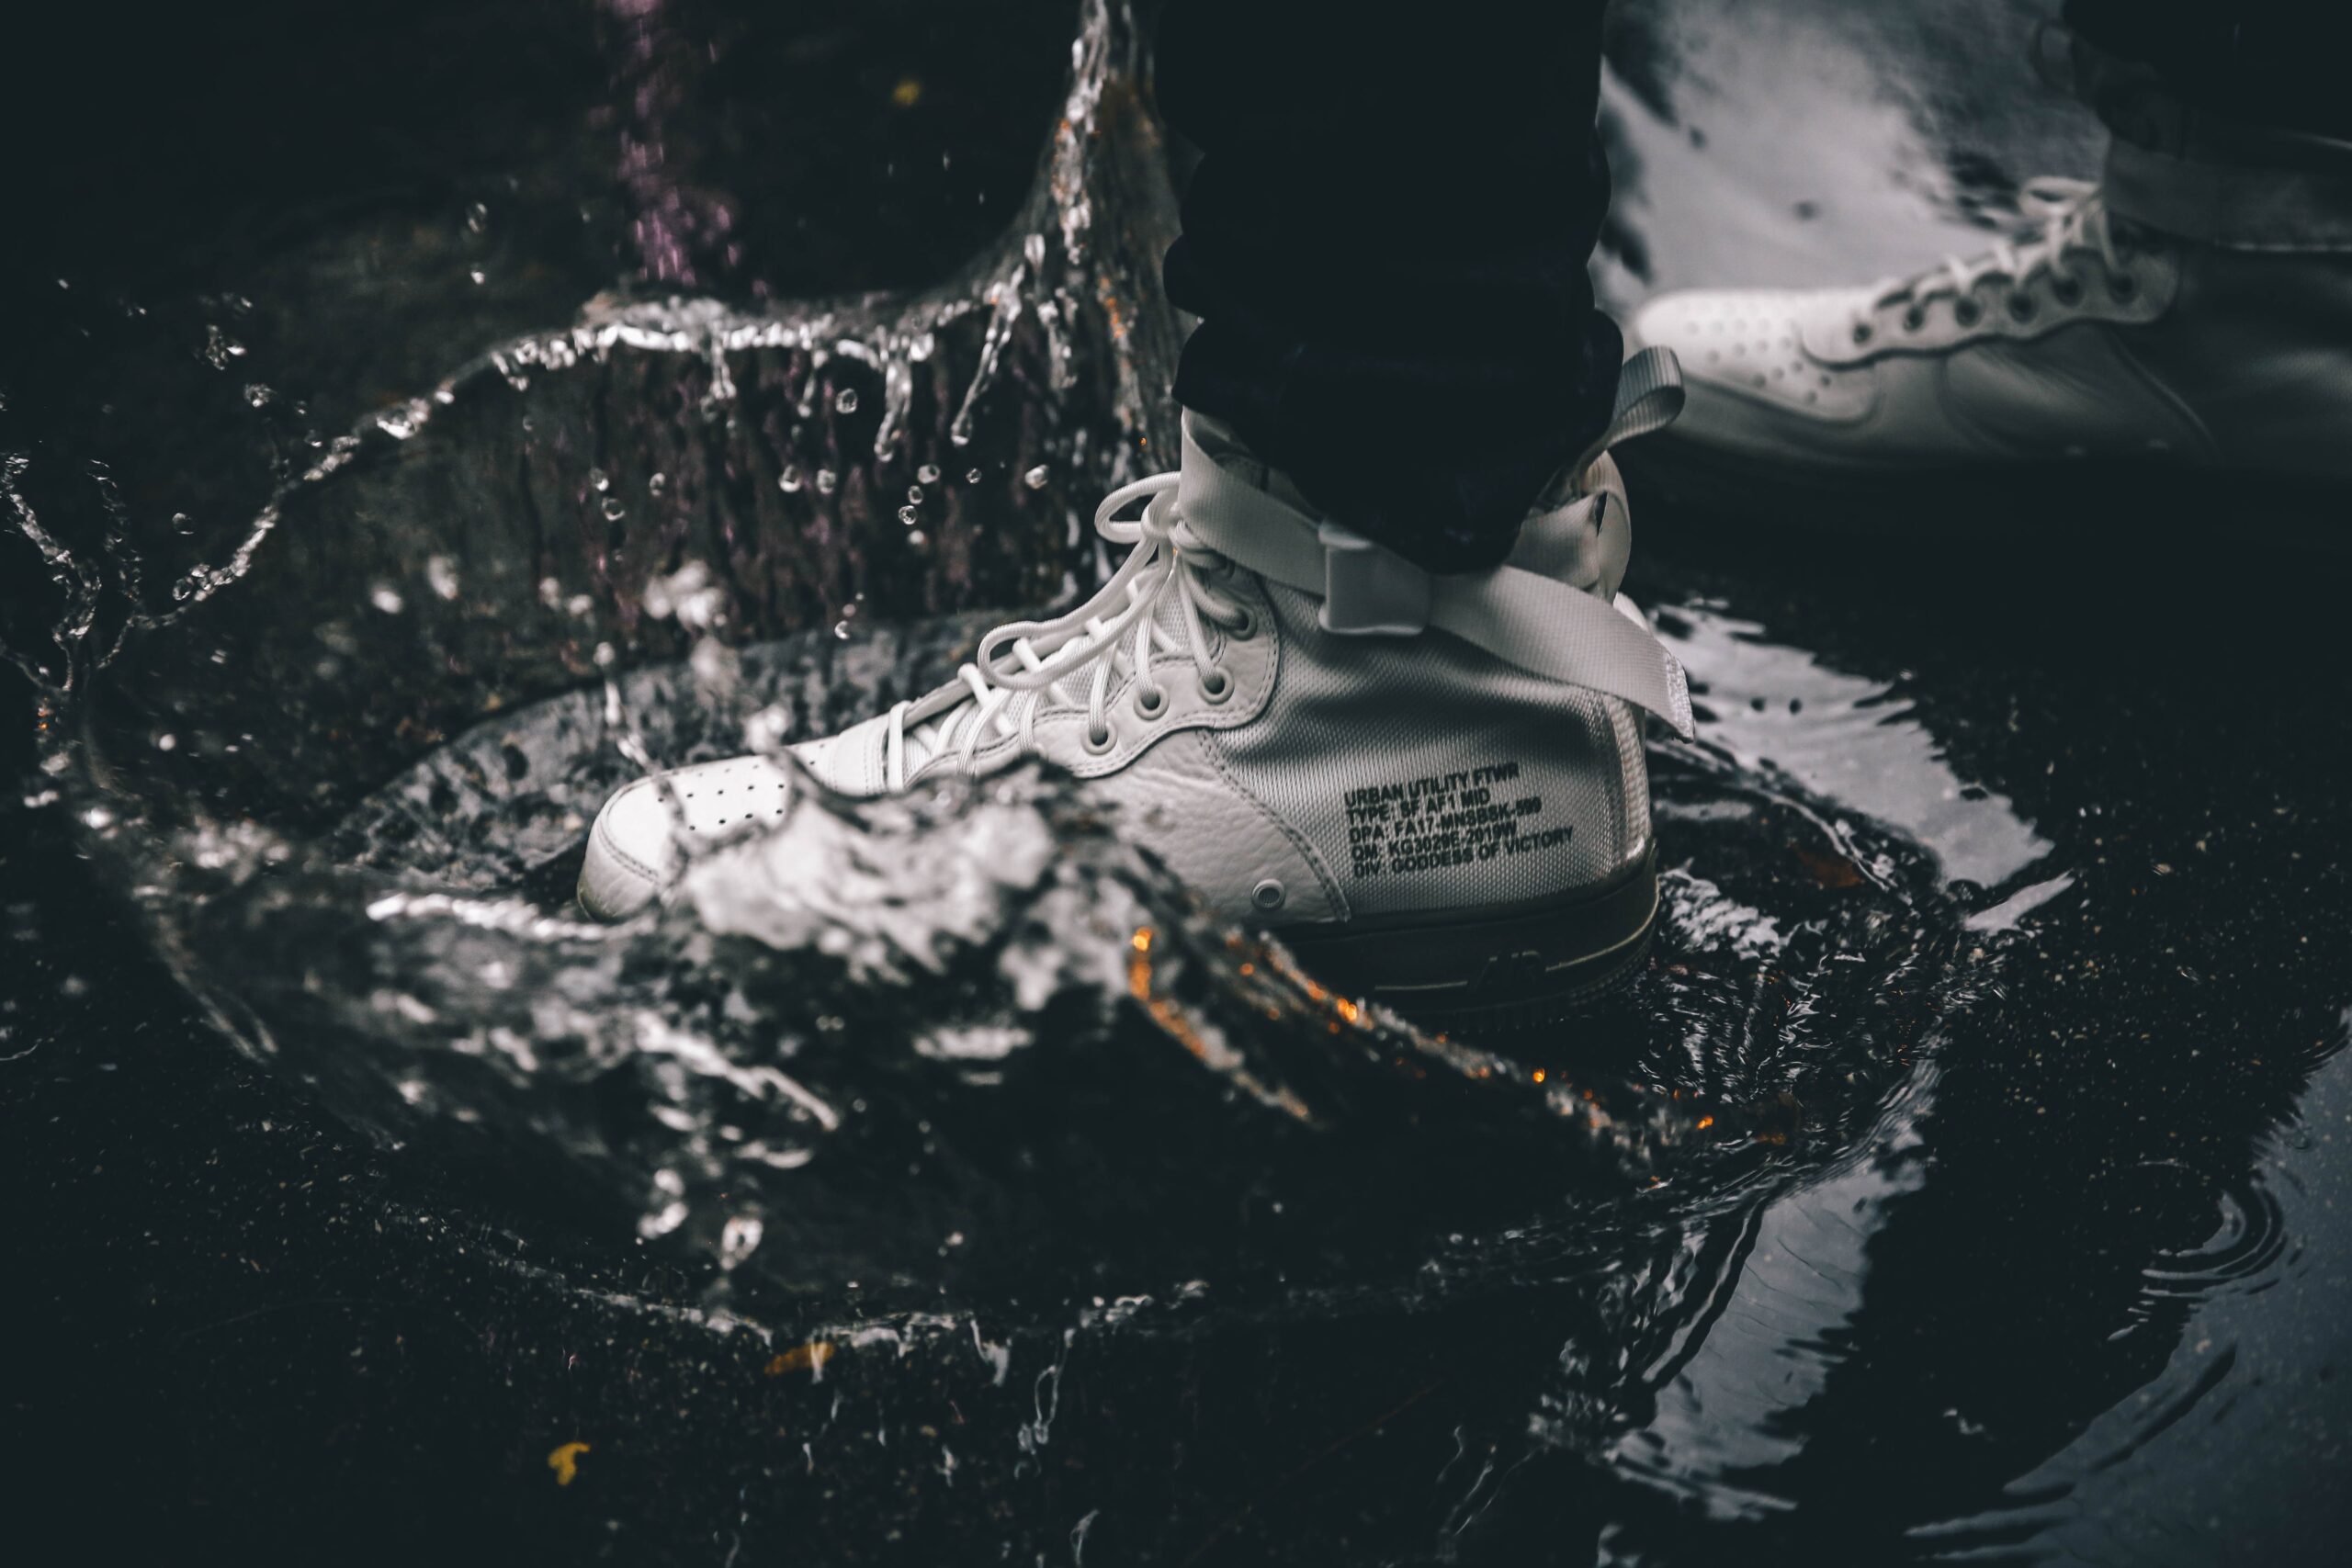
(1637, 829)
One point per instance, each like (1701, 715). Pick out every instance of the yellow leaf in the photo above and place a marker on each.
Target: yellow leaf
(565, 1462)
(808, 1358)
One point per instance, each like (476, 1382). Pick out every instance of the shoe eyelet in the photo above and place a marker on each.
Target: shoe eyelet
(1861, 331)
(1151, 701)
(2067, 290)
(1244, 628)
(2021, 306)
(1968, 312)
(1217, 685)
(1097, 744)
(1914, 319)
(2123, 286)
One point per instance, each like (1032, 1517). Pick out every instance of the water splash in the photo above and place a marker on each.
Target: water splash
(456, 630)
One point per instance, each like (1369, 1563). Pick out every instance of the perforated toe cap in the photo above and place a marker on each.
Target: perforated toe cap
(1752, 342)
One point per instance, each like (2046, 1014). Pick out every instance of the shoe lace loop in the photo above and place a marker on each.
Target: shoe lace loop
(2071, 216)
(1022, 666)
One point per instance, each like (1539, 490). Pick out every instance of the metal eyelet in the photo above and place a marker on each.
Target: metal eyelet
(2067, 290)
(2021, 306)
(2123, 286)
(1151, 701)
(1096, 745)
(1244, 628)
(1861, 331)
(1968, 312)
(1914, 319)
(1217, 685)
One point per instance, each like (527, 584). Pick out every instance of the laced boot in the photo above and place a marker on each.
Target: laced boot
(1433, 787)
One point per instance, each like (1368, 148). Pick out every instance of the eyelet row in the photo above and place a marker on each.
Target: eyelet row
(1966, 312)
(1216, 687)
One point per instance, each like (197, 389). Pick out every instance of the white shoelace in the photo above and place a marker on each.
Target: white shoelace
(1021, 665)
(2072, 217)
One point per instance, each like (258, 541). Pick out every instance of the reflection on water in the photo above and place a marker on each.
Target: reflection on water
(1850, 739)
(993, 1201)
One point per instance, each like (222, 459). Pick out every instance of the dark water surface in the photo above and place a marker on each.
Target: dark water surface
(399, 458)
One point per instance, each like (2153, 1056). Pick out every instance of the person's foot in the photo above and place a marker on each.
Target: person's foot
(2096, 343)
(1434, 787)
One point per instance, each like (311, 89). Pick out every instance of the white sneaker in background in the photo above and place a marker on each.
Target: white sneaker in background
(2100, 340)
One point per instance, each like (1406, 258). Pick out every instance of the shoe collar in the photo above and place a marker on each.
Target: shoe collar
(1550, 609)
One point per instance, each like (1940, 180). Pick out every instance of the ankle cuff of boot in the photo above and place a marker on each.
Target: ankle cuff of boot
(2237, 187)
(2193, 173)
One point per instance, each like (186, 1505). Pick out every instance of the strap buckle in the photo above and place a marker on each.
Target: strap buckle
(1368, 588)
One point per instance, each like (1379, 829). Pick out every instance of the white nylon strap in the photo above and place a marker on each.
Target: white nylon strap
(1649, 397)
(1540, 624)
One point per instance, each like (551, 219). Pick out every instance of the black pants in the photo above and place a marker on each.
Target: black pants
(1386, 237)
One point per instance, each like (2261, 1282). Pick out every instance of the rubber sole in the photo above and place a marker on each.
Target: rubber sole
(1503, 971)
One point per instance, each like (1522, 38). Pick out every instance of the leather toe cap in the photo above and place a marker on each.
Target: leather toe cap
(632, 853)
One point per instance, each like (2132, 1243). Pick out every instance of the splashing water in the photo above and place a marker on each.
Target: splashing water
(967, 1041)
(975, 1194)
(346, 771)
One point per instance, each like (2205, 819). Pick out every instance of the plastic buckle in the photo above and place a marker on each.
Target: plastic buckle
(1368, 588)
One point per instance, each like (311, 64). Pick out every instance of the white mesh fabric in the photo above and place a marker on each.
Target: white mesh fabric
(1408, 729)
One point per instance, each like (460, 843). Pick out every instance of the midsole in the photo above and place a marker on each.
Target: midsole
(1554, 945)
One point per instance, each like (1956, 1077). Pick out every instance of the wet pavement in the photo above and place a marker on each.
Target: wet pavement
(1961, 1178)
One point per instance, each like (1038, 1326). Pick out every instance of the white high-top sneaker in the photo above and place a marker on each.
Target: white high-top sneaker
(1432, 786)
(2192, 313)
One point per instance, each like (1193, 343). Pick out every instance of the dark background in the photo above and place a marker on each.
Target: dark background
(230, 1331)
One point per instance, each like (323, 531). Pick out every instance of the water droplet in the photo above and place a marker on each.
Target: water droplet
(257, 395)
(767, 730)
(180, 524)
(689, 594)
(738, 1240)
(972, 478)
(167, 743)
(1035, 478)
(827, 481)
(928, 474)
(788, 480)
(906, 515)
(656, 484)
(387, 598)
(442, 575)
(597, 479)
(613, 510)
(917, 537)
(845, 400)
(914, 495)
(474, 273)
(841, 631)
(478, 217)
